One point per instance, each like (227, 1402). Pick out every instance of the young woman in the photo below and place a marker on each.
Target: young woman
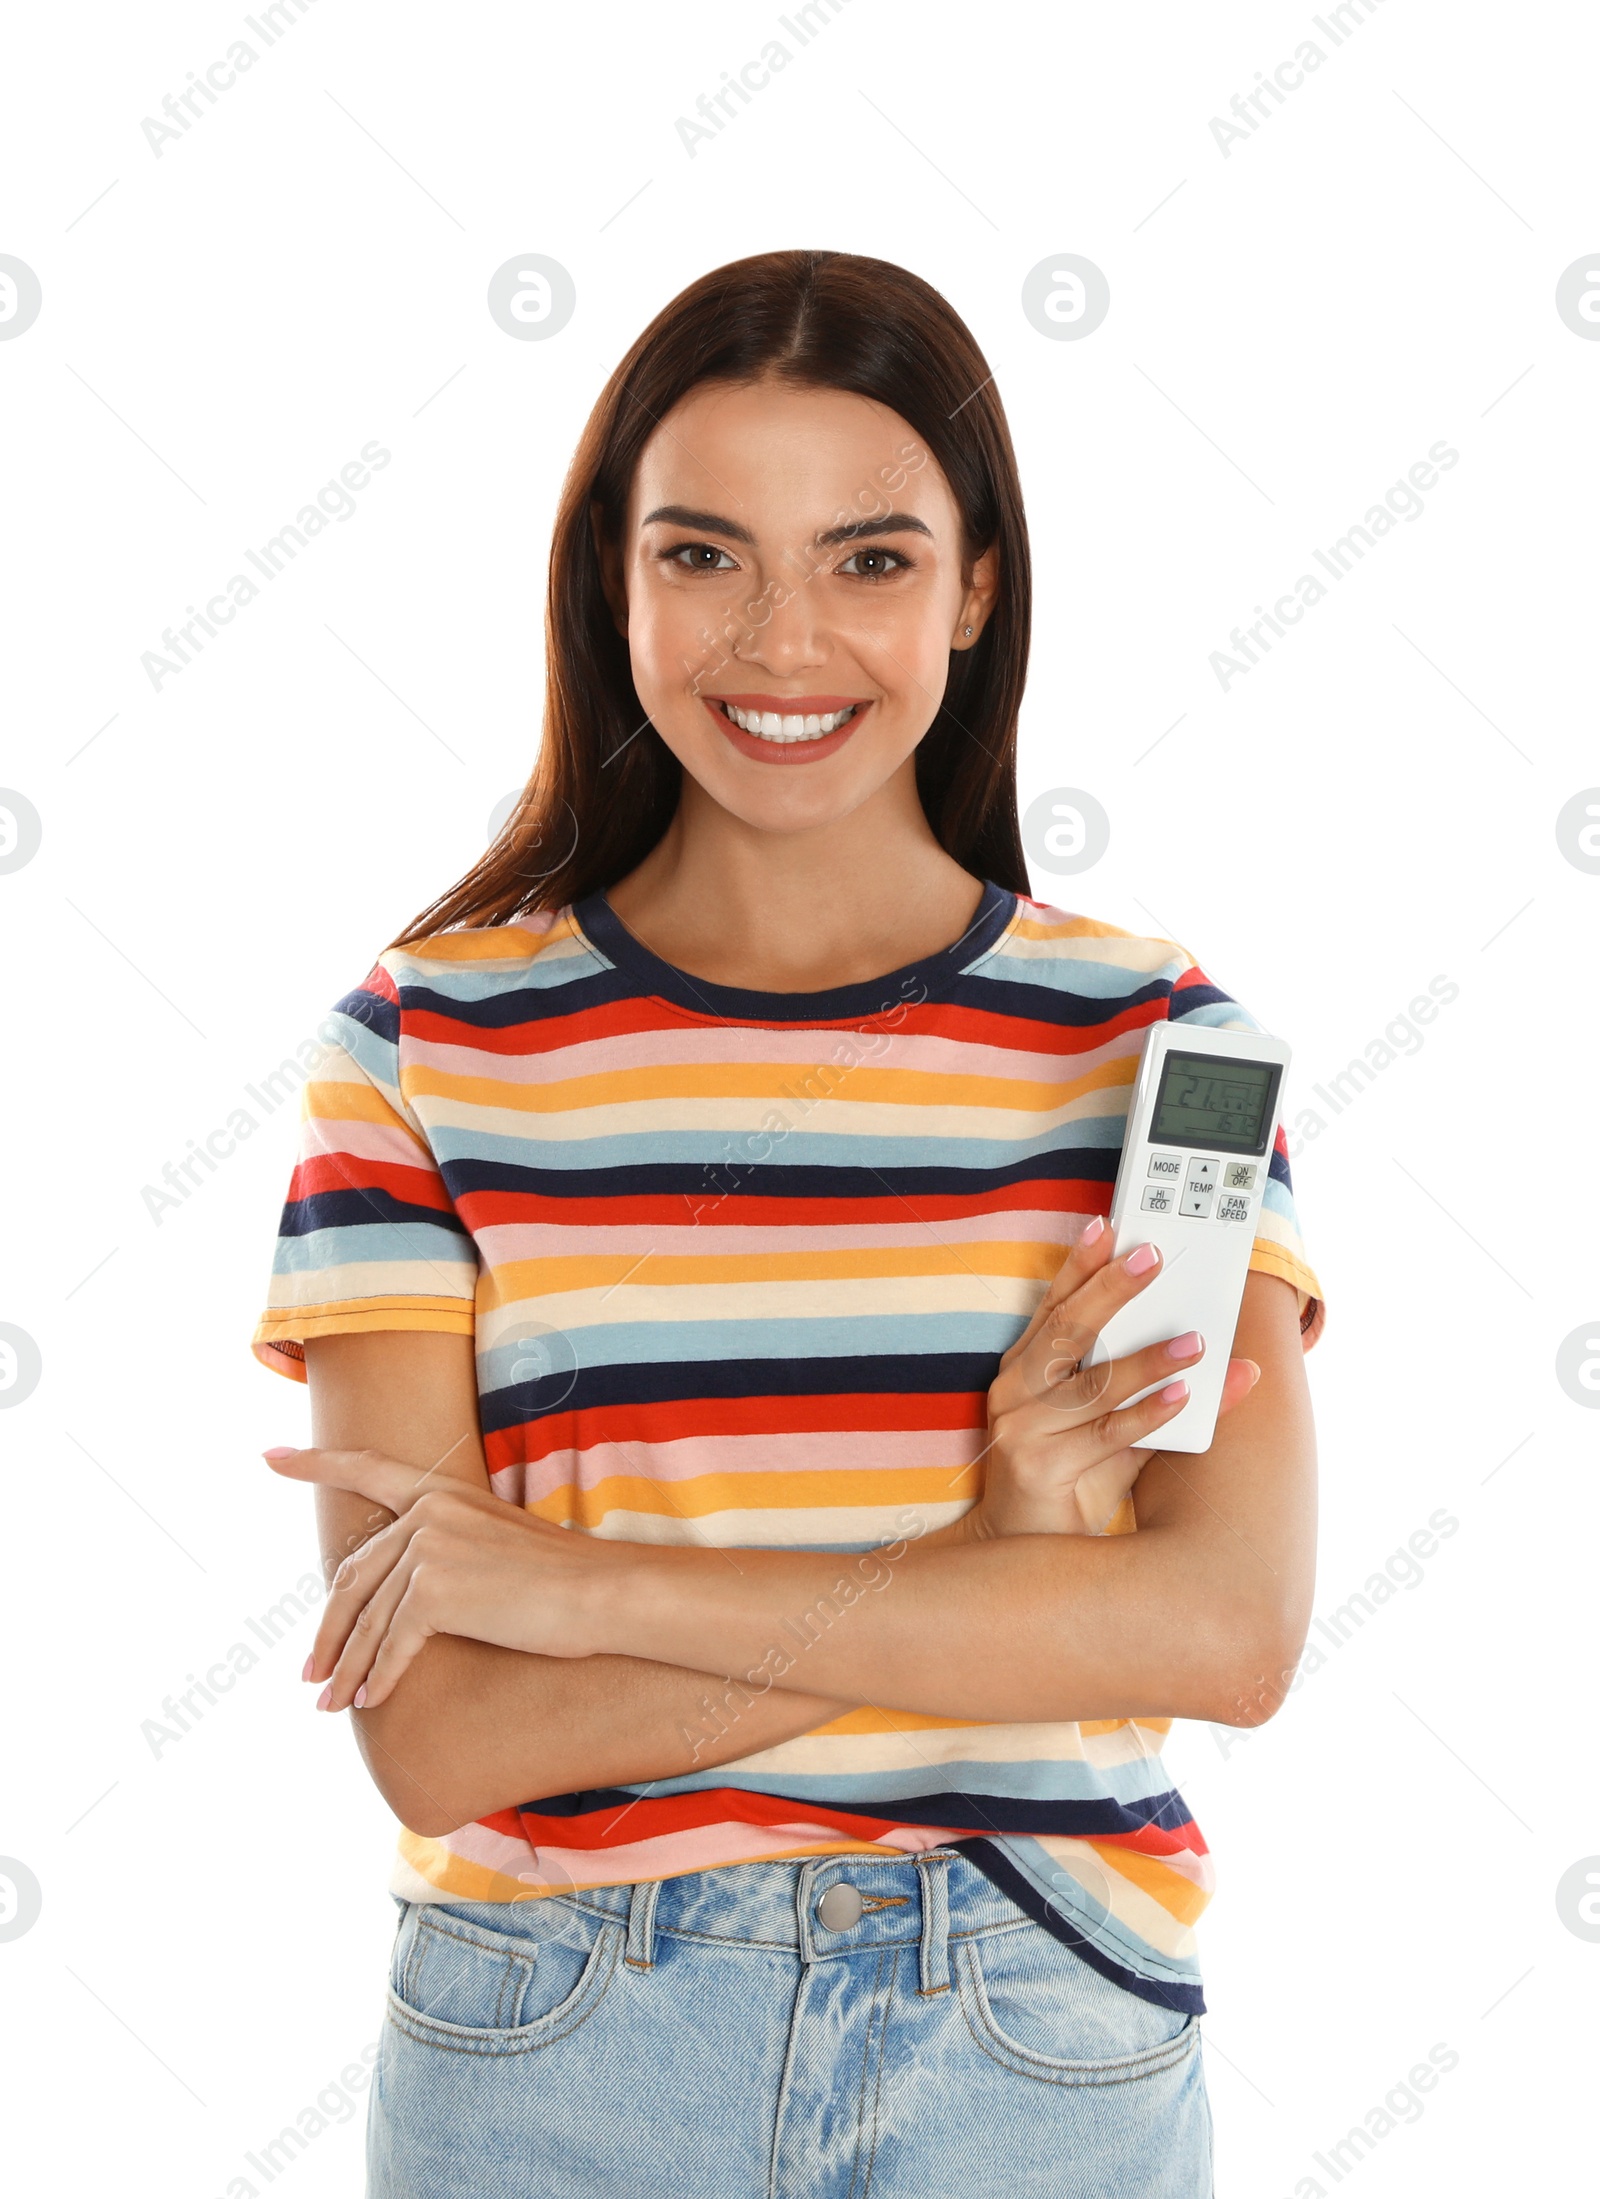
(718, 1171)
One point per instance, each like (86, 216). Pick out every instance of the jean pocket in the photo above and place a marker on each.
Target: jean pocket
(1034, 2004)
(460, 1984)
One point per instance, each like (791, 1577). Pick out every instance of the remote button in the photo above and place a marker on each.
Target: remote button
(1233, 1206)
(1158, 1199)
(1241, 1176)
(1196, 1199)
(1202, 1172)
(1166, 1164)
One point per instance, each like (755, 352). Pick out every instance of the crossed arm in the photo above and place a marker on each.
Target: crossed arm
(472, 1727)
(1200, 1614)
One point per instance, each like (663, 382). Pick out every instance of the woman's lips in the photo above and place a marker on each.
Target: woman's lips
(798, 749)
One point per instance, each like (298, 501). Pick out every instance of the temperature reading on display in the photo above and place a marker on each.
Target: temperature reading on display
(1207, 1102)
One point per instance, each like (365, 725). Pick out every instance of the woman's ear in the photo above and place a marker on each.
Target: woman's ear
(609, 554)
(983, 586)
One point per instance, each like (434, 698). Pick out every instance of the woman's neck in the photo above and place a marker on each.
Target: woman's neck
(798, 912)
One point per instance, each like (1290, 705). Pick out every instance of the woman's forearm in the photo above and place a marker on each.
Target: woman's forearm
(472, 1728)
(1034, 1628)
(1191, 1617)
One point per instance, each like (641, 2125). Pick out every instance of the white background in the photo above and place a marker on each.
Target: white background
(1292, 326)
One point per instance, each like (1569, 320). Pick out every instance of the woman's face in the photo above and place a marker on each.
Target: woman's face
(790, 581)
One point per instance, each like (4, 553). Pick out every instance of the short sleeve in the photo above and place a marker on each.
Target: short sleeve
(1279, 1248)
(369, 1239)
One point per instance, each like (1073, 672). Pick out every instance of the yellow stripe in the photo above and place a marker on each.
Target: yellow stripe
(457, 1875)
(1029, 926)
(869, 1719)
(1033, 1260)
(357, 1318)
(1268, 1258)
(1169, 1889)
(921, 1089)
(356, 1102)
(1091, 1726)
(500, 943)
(872, 1486)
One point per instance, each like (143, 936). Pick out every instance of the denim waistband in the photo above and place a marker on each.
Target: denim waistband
(923, 1900)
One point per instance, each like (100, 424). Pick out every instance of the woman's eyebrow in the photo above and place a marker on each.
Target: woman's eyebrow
(890, 523)
(681, 515)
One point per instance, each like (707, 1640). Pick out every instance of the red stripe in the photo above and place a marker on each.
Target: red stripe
(1155, 1840)
(996, 1027)
(600, 1209)
(672, 1419)
(620, 1824)
(325, 1172)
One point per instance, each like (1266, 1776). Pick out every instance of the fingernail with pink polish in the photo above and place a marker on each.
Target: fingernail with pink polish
(307, 1668)
(360, 1695)
(1173, 1391)
(280, 1450)
(1093, 1230)
(325, 1697)
(1185, 1347)
(1140, 1262)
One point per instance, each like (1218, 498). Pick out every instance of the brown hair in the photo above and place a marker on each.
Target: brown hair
(605, 785)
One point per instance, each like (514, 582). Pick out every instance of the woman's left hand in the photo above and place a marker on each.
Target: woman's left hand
(457, 1560)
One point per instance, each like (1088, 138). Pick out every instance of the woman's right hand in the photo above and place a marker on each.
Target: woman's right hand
(1063, 1448)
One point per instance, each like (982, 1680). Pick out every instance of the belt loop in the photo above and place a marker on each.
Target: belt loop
(934, 1955)
(641, 1949)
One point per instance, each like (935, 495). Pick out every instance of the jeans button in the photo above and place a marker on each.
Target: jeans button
(840, 1907)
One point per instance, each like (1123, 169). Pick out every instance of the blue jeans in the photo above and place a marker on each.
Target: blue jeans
(715, 2037)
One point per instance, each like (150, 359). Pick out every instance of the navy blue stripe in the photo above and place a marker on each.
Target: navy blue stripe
(356, 1209)
(697, 1181)
(935, 978)
(1099, 1818)
(587, 1389)
(549, 1005)
(374, 1011)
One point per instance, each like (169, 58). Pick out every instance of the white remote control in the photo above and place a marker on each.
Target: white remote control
(1195, 1155)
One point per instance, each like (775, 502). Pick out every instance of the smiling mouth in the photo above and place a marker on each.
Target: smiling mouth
(786, 727)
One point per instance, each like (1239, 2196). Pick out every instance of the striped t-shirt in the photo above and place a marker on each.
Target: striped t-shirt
(740, 1267)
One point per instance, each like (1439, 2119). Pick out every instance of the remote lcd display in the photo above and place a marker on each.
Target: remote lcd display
(1215, 1105)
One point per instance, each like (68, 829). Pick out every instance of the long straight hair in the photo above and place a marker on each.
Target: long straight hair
(605, 785)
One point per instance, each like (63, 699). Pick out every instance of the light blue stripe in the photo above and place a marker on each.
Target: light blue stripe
(665, 1342)
(874, 1793)
(365, 1242)
(729, 1160)
(1216, 1016)
(1071, 973)
(541, 972)
(1274, 1195)
(372, 1053)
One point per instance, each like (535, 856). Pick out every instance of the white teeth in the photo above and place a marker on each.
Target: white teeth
(773, 725)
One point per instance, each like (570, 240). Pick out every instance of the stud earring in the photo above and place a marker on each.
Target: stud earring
(969, 629)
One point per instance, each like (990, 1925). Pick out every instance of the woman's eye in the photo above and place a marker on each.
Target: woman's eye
(701, 557)
(873, 564)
